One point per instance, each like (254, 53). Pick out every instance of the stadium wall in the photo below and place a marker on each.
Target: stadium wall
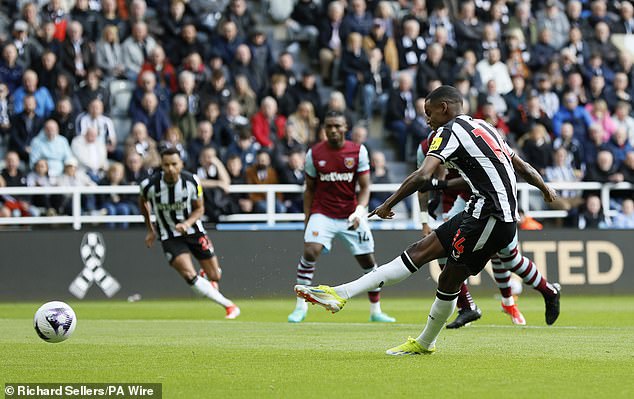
(40, 265)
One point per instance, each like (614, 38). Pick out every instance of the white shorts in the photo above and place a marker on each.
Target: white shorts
(322, 229)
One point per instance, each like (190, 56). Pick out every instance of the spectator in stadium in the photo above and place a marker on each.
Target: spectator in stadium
(148, 85)
(467, 27)
(377, 85)
(245, 65)
(563, 171)
(25, 126)
(28, 48)
(135, 172)
(43, 98)
(217, 89)
(193, 63)
(187, 88)
(433, 68)
(537, 148)
(517, 53)
(87, 17)
(625, 23)
(268, 126)
(303, 22)
(627, 170)
(140, 142)
(573, 113)
(39, 177)
(440, 19)
(73, 177)
(109, 15)
(489, 41)
(285, 65)
(553, 19)
(400, 110)
(621, 90)
(602, 45)
(354, 66)
(572, 145)
(47, 38)
(261, 51)
(488, 113)
(245, 147)
(625, 218)
(306, 90)
(543, 51)
(245, 96)
(240, 202)
(162, 68)
(411, 46)
(223, 134)
(182, 118)
(10, 71)
(135, 49)
(591, 215)
(215, 182)
(91, 153)
(95, 117)
(574, 84)
(152, 116)
(238, 12)
(48, 144)
(12, 175)
(492, 96)
(379, 175)
(357, 19)
(263, 173)
(330, 45)
(234, 118)
(378, 39)
(91, 88)
(600, 114)
(187, 43)
(492, 68)
(574, 11)
(302, 125)
(203, 138)
(603, 170)
(293, 173)
(116, 204)
(173, 138)
(619, 145)
(280, 93)
(227, 42)
(77, 54)
(622, 118)
(597, 68)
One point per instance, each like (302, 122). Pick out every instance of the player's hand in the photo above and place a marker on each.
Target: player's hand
(382, 211)
(355, 217)
(149, 238)
(182, 227)
(550, 195)
(426, 230)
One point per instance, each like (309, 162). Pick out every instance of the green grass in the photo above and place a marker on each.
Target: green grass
(189, 348)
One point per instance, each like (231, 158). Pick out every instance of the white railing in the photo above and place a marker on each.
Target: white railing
(270, 217)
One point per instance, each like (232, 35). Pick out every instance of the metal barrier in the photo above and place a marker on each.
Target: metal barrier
(270, 217)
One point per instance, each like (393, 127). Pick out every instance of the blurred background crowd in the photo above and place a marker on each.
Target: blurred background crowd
(92, 90)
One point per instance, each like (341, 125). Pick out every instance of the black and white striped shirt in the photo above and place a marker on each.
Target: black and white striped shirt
(172, 204)
(484, 160)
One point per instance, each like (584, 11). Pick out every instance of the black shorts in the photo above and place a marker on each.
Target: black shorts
(198, 244)
(472, 242)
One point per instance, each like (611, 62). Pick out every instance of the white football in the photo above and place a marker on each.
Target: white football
(55, 321)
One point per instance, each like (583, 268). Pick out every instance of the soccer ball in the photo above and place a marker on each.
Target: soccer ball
(54, 321)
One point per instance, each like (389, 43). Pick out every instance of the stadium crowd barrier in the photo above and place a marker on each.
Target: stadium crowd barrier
(271, 217)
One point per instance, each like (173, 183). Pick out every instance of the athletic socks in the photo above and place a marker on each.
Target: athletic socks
(374, 295)
(441, 309)
(305, 271)
(391, 273)
(526, 269)
(203, 287)
(465, 301)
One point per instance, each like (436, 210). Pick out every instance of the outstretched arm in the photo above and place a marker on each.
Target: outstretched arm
(532, 177)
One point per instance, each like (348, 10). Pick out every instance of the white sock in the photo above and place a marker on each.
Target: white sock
(375, 307)
(203, 287)
(388, 274)
(508, 301)
(438, 315)
(301, 304)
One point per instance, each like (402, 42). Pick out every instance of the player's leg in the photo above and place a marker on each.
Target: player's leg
(368, 264)
(202, 248)
(305, 273)
(512, 260)
(467, 309)
(503, 280)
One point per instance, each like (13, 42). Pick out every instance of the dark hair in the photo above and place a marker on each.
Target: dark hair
(170, 151)
(445, 93)
(333, 113)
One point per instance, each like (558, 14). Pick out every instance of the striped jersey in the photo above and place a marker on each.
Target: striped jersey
(484, 160)
(172, 203)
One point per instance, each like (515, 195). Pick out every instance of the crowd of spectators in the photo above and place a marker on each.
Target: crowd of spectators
(555, 78)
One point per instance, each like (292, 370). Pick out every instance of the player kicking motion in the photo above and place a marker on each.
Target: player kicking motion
(507, 260)
(469, 239)
(175, 196)
(332, 208)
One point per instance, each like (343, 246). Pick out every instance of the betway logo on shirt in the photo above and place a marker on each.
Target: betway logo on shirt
(176, 206)
(334, 177)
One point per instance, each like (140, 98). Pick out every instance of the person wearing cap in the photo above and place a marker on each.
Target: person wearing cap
(73, 177)
(51, 146)
(28, 48)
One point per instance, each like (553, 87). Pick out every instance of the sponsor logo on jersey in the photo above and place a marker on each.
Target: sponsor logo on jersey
(176, 206)
(315, 233)
(335, 177)
(322, 163)
(435, 144)
(349, 162)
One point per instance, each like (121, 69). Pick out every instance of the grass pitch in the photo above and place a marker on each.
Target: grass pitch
(189, 348)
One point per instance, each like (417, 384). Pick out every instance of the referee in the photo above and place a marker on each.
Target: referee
(175, 196)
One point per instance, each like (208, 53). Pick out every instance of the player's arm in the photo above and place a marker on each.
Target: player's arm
(144, 206)
(532, 177)
(309, 194)
(363, 198)
(421, 179)
(198, 210)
